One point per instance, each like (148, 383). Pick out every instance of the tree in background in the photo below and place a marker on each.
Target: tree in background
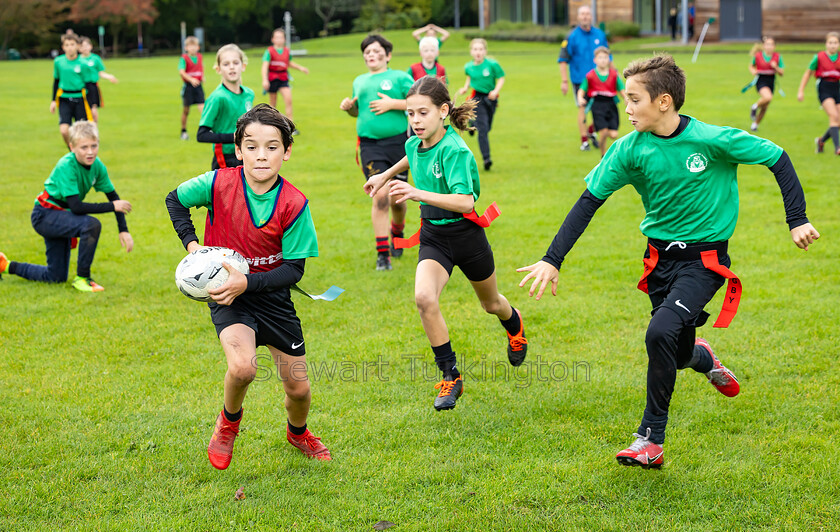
(392, 14)
(34, 17)
(327, 9)
(119, 14)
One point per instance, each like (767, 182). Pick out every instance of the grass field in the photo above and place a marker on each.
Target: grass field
(111, 398)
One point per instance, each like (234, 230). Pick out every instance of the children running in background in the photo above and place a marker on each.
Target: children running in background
(686, 174)
(94, 69)
(486, 78)
(224, 106)
(256, 212)
(275, 72)
(447, 185)
(428, 65)
(378, 103)
(766, 64)
(825, 66)
(61, 216)
(69, 87)
(600, 89)
(191, 69)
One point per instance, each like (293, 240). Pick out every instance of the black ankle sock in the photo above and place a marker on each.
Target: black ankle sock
(233, 418)
(513, 323)
(826, 135)
(701, 360)
(297, 431)
(446, 360)
(12, 267)
(834, 131)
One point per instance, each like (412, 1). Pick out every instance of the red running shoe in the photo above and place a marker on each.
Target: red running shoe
(309, 445)
(517, 344)
(642, 452)
(220, 450)
(720, 377)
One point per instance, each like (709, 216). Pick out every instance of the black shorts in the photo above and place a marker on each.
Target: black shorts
(828, 89)
(94, 97)
(765, 80)
(192, 95)
(377, 155)
(604, 114)
(682, 285)
(270, 314)
(461, 244)
(277, 84)
(70, 110)
(230, 161)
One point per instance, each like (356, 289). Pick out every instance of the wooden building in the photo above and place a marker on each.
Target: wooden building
(786, 20)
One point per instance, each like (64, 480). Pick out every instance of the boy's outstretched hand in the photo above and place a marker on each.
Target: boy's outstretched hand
(373, 184)
(804, 235)
(126, 241)
(235, 285)
(541, 272)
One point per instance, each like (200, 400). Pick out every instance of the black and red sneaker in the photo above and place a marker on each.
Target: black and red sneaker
(309, 445)
(721, 378)
(450, 391)
(642, 452)
(820, 144)
(220, 449)
(517, 344)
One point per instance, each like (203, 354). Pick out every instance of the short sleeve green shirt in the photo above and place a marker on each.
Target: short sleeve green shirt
(299, 241)
(769, 57)
(70, 75)
(483, 76)
(92, 67)
(70, 178)
(392, 83)
(182, 63)
(688, 183)
(813, 65)
(223, 108)
(448, 167)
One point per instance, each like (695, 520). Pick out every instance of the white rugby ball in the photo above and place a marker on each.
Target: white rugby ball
(202, 270)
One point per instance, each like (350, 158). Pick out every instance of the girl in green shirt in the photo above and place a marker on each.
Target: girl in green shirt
(446, 186)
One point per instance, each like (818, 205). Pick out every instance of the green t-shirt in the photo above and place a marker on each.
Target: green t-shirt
(393, 83)
(619, 83)
(429, 72)
(92, 67)
(267, 54)
(223, 108)
(483, 76)
(448, 167)
(813, 65)
(70, 178)
(299, 240)
(70, 75)
(688, 184)
(781, 61)
(182, 63)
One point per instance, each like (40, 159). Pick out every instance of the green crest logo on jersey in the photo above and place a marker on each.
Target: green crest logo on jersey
(485, 72)
(436, 170)
(77, 69)
(386, 85)
(696, 162)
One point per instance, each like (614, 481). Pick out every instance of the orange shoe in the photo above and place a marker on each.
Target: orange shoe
(309, 445)
(450, 391)
(4, 263)
(86, 284)
(517, 344)
(220, 449)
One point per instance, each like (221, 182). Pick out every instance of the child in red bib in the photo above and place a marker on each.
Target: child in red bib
(825, 66)
(600, 90)
(275, 72)
(191, 70)
(766, 64)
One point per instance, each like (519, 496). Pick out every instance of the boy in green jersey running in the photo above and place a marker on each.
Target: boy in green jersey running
(69, 87)
(378, 103)
(93, 70)
(686, 174)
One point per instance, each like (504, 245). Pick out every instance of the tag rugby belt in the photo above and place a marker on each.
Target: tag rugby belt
(43, 198)
(430, 212)
(708, 253)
